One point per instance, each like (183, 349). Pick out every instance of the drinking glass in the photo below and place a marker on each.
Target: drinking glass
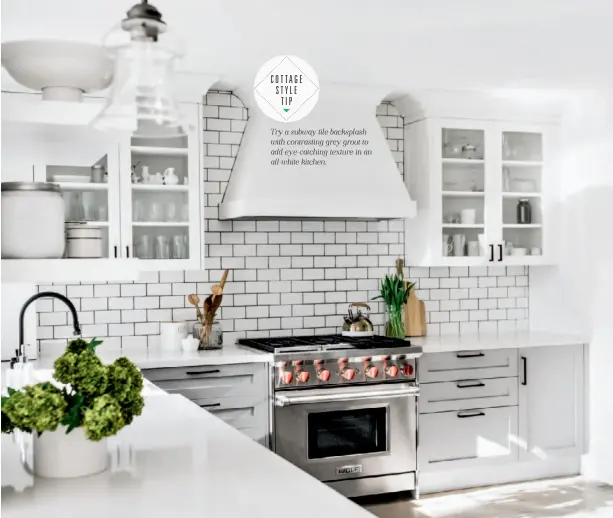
(171, 211)
(162, 247)
(155, 211)
(179, 250)
(144, 247)
(138, 210)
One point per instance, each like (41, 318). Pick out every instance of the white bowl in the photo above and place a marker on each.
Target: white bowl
(63, 70)
(71, 178)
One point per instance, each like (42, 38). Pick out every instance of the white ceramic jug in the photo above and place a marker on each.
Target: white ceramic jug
(170, 178)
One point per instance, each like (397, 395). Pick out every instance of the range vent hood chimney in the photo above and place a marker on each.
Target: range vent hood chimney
(347, 187)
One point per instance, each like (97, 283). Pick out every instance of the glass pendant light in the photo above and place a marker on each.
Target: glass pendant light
(140, 101)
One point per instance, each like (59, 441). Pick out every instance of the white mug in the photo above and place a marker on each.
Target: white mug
(190, 344)
(535, 251)
(468, 216)
(447, 246)
(519, 251)
(171, 334)
(459, 242)
(473, 248)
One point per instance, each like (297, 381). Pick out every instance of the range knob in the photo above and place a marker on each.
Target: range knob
(303, 376)
(323, 375)
(372, 371)
(348, 374)
(287, 377)
(407, 369)
(297, 363)
(392, 371)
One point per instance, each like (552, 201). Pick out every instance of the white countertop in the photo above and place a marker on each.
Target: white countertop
(504, 340)
(155, 358)
(175, 460)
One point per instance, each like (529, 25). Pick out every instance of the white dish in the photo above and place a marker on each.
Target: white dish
(522, 186)
(71, 178)
(519, 251)
(63, 70)
(357, 334)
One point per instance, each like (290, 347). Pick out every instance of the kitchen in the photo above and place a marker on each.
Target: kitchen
(295, 263)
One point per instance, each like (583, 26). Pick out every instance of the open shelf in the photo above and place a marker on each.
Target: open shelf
(461, 225)
(66, 270)
(160, 224)
(521, 195)
(522, 163)
(522, 225)
(159, 188)
(462, 160)
(92, 223)
(82, 186)
(163, 151)
(464, 194)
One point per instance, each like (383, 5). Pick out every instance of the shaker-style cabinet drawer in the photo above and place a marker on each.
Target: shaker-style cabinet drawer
(468, 438)
(461, 365)
(211, 381)
(240, 412)
(467, 394)
(259, 435)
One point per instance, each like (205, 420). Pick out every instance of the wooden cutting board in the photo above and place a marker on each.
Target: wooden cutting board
(414, 316)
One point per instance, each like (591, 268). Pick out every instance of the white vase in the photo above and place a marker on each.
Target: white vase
(61, 455)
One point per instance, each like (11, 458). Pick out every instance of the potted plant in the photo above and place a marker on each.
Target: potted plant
(395, 292)
(73, 417)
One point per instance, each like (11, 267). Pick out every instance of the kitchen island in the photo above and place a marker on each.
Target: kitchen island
(174, 460)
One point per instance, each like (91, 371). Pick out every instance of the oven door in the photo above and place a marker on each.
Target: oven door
(346, 433)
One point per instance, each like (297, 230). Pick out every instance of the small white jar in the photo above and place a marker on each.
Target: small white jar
(32, 221)
(83, 241)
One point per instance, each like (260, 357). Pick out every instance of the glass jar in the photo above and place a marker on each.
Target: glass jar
(212, 339)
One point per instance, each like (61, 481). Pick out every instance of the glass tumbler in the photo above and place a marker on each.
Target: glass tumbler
(155, 211)
(144, 247)
(179, 250)
(171, 211)
(162, 247)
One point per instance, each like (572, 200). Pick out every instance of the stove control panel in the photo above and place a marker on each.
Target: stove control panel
(343, 371)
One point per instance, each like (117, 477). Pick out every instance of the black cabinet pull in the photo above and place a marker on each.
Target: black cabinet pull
(115, 247)
(474, 414)
(210, 405)
(499, 253)
(469, 355)
(491, 253)
(128, 252)
(471, 385)
(195, 373)
(524, 362)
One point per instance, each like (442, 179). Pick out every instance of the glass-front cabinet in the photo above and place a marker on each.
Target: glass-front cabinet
(483, 191)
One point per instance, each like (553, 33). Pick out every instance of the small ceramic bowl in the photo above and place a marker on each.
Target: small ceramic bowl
(189, 344)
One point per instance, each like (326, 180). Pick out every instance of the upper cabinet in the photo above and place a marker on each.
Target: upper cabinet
(485, 191)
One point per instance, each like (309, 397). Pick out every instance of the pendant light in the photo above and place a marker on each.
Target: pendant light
(140, 101)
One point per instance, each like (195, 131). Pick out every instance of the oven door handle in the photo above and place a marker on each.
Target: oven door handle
(287, 400)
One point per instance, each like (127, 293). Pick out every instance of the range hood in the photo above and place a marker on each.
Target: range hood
(368, 186)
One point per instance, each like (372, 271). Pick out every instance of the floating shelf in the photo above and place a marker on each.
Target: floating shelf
(462, 225)
(463, 194)
(463, 161)
(522, 163)
(159, 188)
(164, 151)
(521, 194)
(522, 225)
(160, 224)
(67, 270)
(92, 223)
(80, 186)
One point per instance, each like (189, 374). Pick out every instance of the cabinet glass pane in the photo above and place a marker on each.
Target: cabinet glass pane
(463, 143)
(518, 145)
(160, 199)
(86, 196)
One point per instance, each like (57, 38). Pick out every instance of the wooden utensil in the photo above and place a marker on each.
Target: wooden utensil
(414, 316)
(194, 300)
(212, 303)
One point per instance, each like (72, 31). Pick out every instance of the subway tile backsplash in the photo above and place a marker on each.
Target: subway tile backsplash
(288, 277)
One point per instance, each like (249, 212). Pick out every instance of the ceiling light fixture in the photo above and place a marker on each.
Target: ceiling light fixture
(140, 101)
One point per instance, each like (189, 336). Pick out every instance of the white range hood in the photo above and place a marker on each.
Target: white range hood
(347, 187)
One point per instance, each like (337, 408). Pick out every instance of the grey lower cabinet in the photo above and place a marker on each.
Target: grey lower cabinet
(237, 393)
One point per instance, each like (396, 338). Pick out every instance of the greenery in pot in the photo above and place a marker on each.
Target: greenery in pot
(395, 292)
(100, 398)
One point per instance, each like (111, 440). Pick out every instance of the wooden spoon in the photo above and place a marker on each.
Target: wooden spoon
(194, 300)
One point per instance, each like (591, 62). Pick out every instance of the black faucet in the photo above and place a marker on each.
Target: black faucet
(43, 294)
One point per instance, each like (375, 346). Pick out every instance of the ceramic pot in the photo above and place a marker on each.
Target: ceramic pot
(61, 455)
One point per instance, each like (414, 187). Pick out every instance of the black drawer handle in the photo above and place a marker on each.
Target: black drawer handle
(477, 414)
(210, 405)
(469, 355)
(195, 373)
(524, 362)
(471, 385)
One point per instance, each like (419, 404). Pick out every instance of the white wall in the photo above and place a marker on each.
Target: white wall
(577, 296)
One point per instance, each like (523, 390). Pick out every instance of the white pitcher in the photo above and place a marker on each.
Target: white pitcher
(170, 178)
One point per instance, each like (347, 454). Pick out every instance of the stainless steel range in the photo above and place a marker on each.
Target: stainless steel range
(345, 410)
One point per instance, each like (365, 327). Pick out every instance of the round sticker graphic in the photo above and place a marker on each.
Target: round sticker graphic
(286, 88)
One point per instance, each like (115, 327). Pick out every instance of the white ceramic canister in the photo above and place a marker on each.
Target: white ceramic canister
(172, 335)
(32, 221)
(83, 241)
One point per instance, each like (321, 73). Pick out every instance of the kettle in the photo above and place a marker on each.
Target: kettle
(357, 323)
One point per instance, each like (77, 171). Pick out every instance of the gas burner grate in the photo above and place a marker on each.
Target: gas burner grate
(285, 342)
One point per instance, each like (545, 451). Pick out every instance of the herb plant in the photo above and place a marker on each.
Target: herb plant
(100, 398)
(395, 293)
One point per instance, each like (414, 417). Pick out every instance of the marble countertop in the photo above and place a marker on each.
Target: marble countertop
(503, 340)
(155, 358)
(175, 460)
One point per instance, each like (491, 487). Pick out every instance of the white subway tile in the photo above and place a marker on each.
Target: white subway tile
(107, 317)
(469, 304)
(269, 323)
(439, 294)
(488, 303)
(94, 303)
(175, 301)
(497, 292)
(458, 271)
(477, 293)
(480, 314)
(159, 315)
(159, 289)
(290, 226)
(52, 319)
(496, 271)
(134, 315)
(86, 290)
(147, 328)
(438, 316)
(449, 305)
(121, 329)
(477, 271)
(171, 277)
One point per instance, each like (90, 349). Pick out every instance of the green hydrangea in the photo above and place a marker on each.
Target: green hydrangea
(124, 379)
(132, 407)
(39, 407)
(77, 346)
(84, 372)
(103, 418)
(7, 426)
